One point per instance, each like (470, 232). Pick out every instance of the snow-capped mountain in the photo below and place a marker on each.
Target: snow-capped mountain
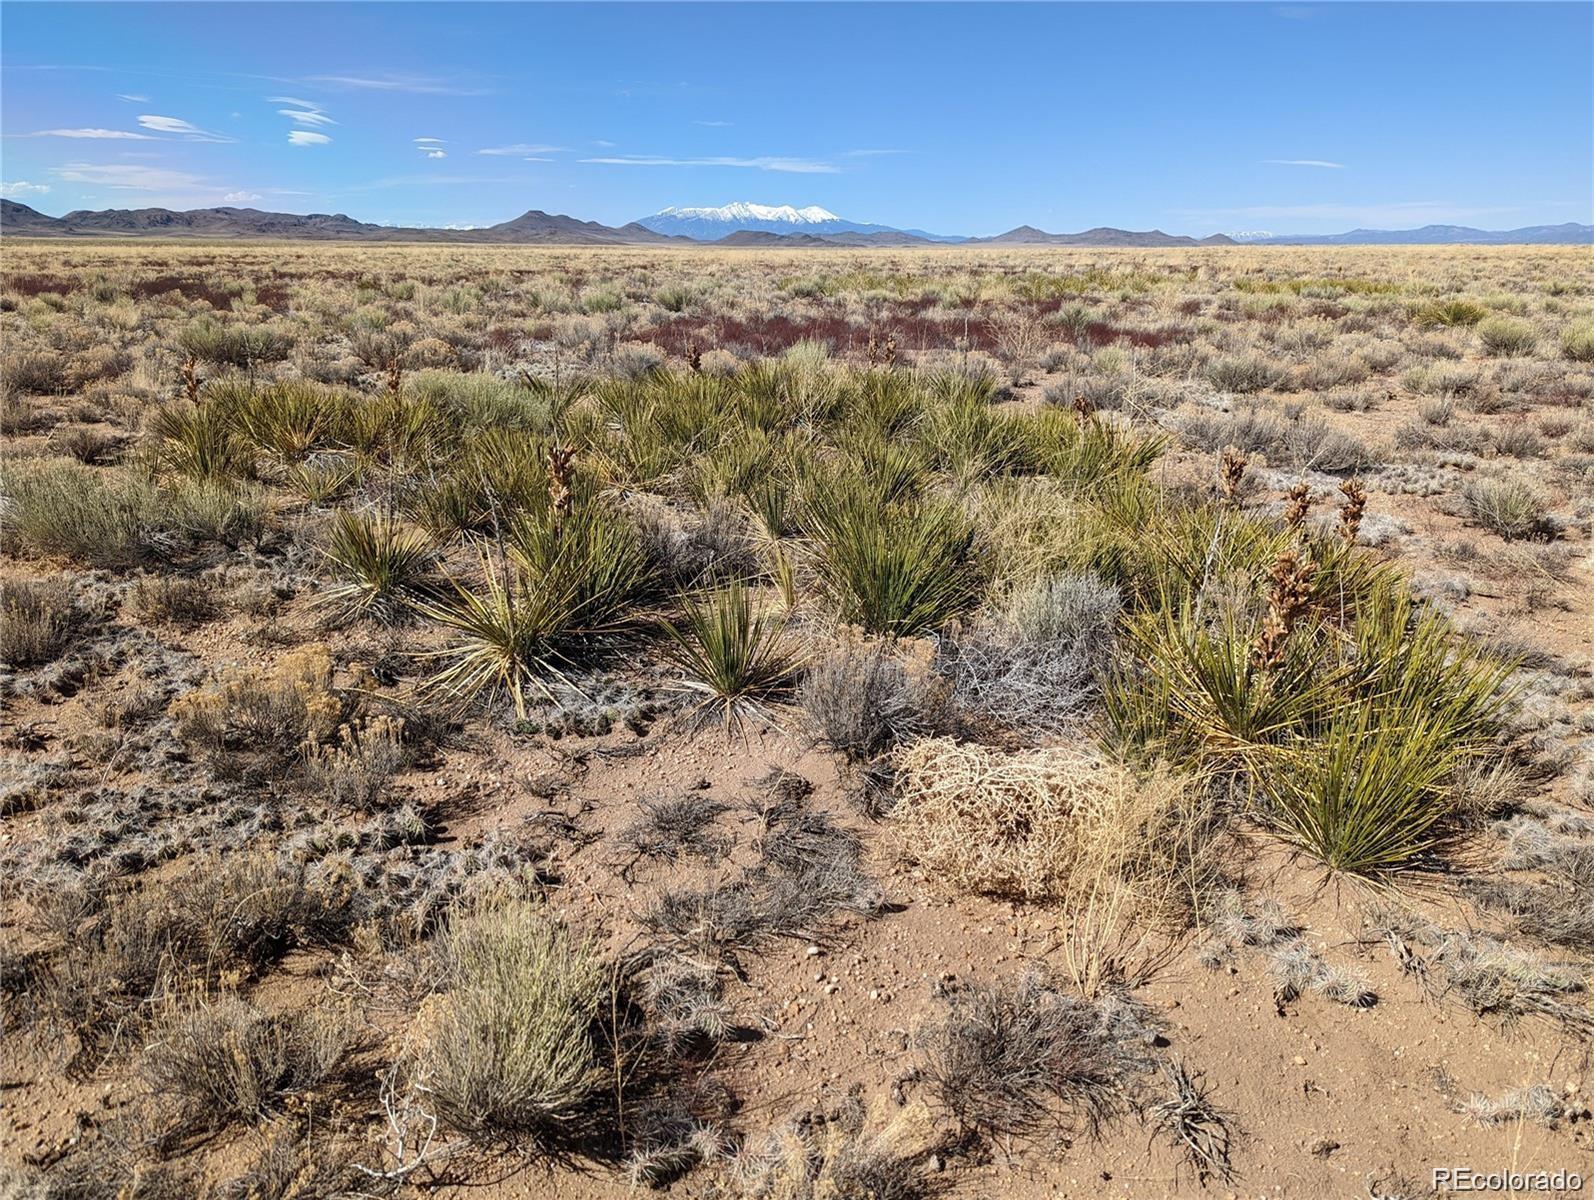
(711, 224)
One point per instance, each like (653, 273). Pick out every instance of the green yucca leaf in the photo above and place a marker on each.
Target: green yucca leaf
(738, 658)
(895, 569)
(382, 564)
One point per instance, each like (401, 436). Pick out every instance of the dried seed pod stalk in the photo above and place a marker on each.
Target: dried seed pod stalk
(1350, 512)
(560, 472)
(1287, 599)
(1300, 504)
(191, 379)
(1231, 470)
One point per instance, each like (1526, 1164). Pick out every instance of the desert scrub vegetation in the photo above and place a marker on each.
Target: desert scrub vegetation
(483, 667)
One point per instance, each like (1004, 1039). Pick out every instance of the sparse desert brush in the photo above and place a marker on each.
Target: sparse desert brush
(62, 508)
(851, 1154)
(1507, 336)
(740, 659)
(354, 770)
(514, 1053)
(861, 700)
(1032, 663)
(34, 372)
(258, 719)
(1047, 823)
(1577, 342)
(233, 345)
(178, 599)
(39, 621)
(1244, 375)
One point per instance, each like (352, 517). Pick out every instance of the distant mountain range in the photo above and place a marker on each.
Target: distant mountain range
(530, 228)
(1569, 234)
(741, 224)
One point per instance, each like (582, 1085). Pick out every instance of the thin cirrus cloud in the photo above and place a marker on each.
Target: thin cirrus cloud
(94, 134)
(178, 127)
(417, 84)
(305, 137)
(762, 162)
(430, 146)
(22, 187)
(129, 176)
(529, 152)
(1304, 162)
(132, 97)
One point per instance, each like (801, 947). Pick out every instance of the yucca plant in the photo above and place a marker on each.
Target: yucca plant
(506, 637)
(1230, 704)
(382, 565)
(896, 569)
(741, 660)
(971, 440)
(288, 422)
(200, 441)
(1367, 795)
(570, 576)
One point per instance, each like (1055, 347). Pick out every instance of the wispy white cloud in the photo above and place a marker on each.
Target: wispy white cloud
(421, 85)
(1304, 162)
(242, 197)
(129, 176)
(424, 140)
(435, 153)
(22, 187)
(305, 116)
(181, 128)
(295, 101)
(763, 162)
(132, 98)
(713, 124)
(107, 134)
(603, 145)
(303, 137)
(520, 150)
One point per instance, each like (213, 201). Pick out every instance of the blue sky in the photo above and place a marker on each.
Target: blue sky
(955, 118)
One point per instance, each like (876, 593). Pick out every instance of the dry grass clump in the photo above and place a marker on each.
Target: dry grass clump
(1049, 823)
(354, 771)
(218, 1061)
(122, 957)
(1014, 1058)
(39, 621)
(1512, 508)
(848, 1154)
(514, 1053)
(1187, 1117)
